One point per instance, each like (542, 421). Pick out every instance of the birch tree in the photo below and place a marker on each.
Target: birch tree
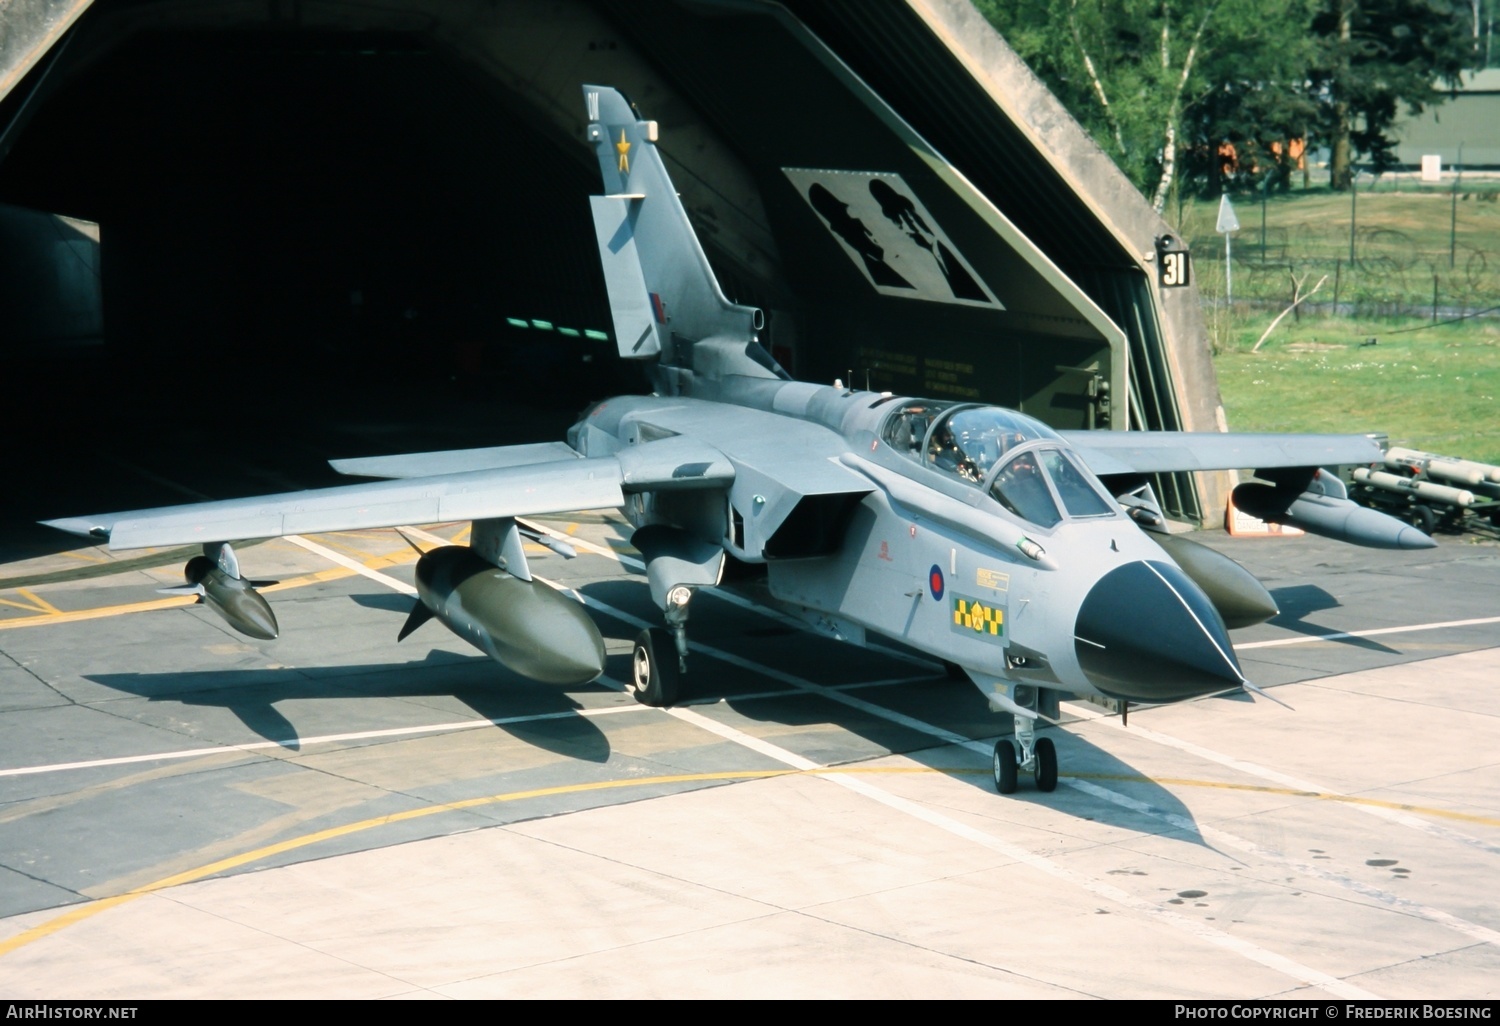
(1137, 73)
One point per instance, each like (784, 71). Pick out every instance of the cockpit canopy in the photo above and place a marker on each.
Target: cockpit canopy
(973, 443)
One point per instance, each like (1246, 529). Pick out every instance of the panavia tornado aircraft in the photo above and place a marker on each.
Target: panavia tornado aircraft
(1026, 557)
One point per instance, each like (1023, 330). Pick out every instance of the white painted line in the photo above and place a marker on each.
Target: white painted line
(932, 817)
(426, 536)
(1227, 839)
(742, 739)
(1374, 632)
(765, 748)
(1254, 770)
(353, 564)
(321, 739)
(1244, 948)
(1250, 951)
(1203, 931)
(299, 745)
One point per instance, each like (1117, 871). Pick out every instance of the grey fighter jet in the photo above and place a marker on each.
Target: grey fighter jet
(1029, 559)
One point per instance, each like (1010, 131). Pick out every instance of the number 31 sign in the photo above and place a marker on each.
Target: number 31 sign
(1175, 270)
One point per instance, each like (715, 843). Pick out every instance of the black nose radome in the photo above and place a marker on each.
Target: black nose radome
(1147, 633)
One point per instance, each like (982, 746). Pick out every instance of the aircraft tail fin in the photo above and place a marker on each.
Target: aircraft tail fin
(662, 292)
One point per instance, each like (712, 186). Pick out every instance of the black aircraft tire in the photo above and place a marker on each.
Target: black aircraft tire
(1046, 765)
(654, 676)
(1005, 767)
(1423, 518)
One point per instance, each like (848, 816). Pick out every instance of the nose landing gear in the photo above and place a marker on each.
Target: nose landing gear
(1038, 755)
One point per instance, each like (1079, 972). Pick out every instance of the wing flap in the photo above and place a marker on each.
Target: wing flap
(455, 461)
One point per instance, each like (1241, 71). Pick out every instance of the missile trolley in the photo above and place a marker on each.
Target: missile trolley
(1430, 491)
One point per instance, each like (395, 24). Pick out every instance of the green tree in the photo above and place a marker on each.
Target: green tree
(1376, 56)
(1137, 73)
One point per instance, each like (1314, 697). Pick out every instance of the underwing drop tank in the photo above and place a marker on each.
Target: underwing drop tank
(218, 585)
(1322, 506)
(1234, 591)
(525, 626)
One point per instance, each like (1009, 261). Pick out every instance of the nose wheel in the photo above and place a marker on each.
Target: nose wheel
(1043, 763)
(1005, 767)
(1046, 765)
(655, 670)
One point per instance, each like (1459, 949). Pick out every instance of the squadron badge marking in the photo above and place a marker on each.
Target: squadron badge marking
(971, 616)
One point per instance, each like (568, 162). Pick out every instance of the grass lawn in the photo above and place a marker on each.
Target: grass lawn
(1435, 388)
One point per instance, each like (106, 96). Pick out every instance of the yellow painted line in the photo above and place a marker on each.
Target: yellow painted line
(30, 608)
(85, 911)
(1292, 792)
(93, 908)
(100, 612)
(41, 603)
(332, 541)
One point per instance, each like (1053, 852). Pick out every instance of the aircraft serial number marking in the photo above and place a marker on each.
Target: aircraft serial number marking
(992, 579)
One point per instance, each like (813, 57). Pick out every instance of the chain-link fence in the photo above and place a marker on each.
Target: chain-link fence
(1383, 251)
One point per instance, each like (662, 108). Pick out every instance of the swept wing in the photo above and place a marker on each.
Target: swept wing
(504, 489)
(1154, 452)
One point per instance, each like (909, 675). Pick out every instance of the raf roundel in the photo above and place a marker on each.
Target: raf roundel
(935, 582)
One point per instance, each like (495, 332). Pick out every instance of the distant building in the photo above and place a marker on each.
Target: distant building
(1469, 118)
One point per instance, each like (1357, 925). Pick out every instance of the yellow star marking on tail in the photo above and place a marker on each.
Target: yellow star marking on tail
(623, 148)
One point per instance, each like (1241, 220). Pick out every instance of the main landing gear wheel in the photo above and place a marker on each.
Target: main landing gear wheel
(1046, 764)
(1005, 767)
(655, 678)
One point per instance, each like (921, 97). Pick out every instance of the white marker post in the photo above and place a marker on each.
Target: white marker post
(1228, 223)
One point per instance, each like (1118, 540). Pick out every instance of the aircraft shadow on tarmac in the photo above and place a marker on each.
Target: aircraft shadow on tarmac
(1298, 601)
(954, 705)
(851, 735)
(489, 690)
(492, 693)
(947, 703)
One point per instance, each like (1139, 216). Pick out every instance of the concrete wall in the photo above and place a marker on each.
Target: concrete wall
(1113, 201)
(49, 282)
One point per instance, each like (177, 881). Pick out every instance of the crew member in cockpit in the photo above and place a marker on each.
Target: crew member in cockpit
(945, 454)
